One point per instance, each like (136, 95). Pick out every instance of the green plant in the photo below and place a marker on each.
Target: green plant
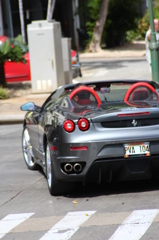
(143, 25)
(122, 16)
(3, 93)
(89, 10)
(10, 50)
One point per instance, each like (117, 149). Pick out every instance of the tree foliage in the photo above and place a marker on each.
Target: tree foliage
(122, 16)
(89, 10)
(143, 24)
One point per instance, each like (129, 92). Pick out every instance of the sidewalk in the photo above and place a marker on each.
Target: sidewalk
(10, 109)
(128, 50)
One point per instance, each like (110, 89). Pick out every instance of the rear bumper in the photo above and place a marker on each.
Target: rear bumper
(107, 163)
(123, 170)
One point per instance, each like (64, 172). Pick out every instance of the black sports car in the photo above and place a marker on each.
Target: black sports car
(93, 132)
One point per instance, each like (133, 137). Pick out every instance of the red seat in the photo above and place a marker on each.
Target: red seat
(139, 94)
(84, 101)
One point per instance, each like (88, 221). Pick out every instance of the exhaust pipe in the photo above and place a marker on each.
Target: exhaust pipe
(68, 167)
(77, 167)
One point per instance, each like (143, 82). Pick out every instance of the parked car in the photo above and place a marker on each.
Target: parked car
(19, 72)
(94, 132)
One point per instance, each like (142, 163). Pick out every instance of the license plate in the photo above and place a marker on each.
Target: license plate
(136, 149)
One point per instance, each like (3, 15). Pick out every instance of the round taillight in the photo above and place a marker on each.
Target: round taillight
(69, 125)
(83, 124)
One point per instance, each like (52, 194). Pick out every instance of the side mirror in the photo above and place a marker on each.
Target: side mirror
(30, 106)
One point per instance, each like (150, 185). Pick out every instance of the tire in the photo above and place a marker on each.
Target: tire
(55, 186)
(80, 73)
(27, 151)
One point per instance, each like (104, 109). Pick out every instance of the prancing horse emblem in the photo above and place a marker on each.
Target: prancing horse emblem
(134, 123)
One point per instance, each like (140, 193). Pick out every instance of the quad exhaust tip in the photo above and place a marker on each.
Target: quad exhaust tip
(68, 167)
(77, 167)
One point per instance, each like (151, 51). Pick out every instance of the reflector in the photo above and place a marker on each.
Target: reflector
(81, 148)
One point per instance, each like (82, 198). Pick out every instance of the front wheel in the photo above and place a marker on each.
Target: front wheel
(27, 150)
(55, 186)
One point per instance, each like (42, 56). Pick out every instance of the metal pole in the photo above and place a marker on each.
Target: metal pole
(154, 46)
(52, 8)
(1, 20)
(48, 10)
(22, 19)
(9, 18)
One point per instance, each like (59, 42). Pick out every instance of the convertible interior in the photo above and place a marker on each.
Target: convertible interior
(126, 92)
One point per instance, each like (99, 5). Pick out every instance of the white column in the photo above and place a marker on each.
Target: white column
(1, 20)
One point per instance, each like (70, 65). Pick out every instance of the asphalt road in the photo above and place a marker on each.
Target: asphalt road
(105, 69)
(28, 211)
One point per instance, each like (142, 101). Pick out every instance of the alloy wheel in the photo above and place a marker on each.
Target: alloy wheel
(27, 149)
(48, 167)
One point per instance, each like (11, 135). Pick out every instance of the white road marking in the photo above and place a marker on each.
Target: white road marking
(75, 81)
(101, 73)
(67, 226)
(134, 226)
(11, 221)
(88, 74)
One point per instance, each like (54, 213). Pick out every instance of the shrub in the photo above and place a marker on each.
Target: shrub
(121, 17)
(3, 93)
(89, 10)
(12, 50)
(143, 25)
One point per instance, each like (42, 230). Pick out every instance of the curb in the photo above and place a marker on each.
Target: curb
(11, 119)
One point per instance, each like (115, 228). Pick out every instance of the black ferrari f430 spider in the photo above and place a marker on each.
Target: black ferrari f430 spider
(93, 132)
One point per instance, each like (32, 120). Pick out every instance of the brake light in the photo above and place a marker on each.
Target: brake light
(69, 125)
(83, 124)
(133, 114)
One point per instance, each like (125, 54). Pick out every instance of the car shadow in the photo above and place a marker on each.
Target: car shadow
(94, 190)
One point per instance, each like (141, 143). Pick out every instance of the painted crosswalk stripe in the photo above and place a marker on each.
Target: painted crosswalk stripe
(67, 226)
(101, 73)
(11, 221)
(134, 226)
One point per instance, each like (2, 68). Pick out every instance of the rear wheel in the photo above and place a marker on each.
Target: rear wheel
(55, 186)
(27, 150)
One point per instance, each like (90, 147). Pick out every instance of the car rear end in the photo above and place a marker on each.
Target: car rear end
(117, 145)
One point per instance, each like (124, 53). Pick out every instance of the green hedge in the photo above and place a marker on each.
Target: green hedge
(3, 93)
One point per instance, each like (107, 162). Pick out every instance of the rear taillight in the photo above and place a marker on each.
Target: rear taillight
(69, 125)
(83, 124)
